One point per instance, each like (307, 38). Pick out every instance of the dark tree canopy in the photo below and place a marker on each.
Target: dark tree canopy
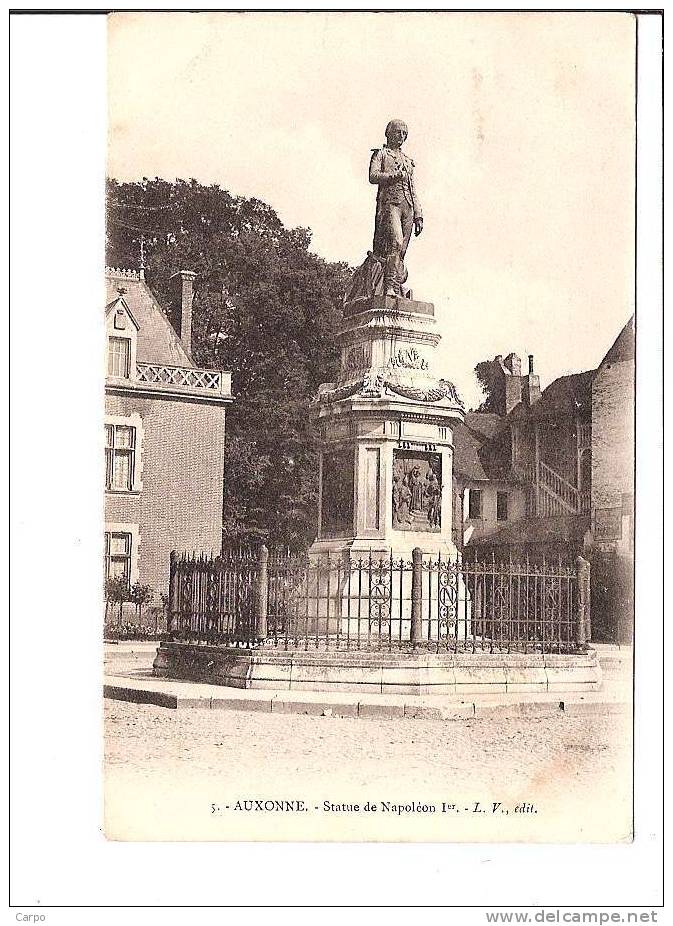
(265, 308)
(490, 379)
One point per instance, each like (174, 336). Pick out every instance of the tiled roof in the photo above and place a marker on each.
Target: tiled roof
(478, 455)
(567, 395)
(466, 448)
(487, 424)
(560, 529)
(157, 340)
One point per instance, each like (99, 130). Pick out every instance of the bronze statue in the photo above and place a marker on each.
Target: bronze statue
(398, 210)
(398, 213)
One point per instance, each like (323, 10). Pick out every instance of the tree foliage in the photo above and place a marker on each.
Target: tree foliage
(265, 308)
(490, 379)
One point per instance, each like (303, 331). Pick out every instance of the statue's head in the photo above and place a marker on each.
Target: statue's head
(396, 132)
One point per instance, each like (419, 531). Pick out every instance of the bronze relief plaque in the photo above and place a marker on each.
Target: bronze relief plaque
(417, 491)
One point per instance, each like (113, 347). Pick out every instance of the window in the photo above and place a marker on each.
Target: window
(120, 457)
(515, 446)
(118, 555)
(474, 512)
(119, 357)
(501, 506)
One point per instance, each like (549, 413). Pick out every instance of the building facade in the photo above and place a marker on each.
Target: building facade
(164, 436)
(550, 473)
(488, 497)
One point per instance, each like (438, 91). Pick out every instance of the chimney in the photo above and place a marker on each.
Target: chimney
(531, 388)
(187, 277)
(512, 392)
(513, 364)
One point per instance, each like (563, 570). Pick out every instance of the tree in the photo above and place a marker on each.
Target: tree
(265, 308)
(116, 591)
(492, 383)
(140, 595)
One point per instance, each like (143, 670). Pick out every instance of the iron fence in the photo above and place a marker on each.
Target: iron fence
(379, 603)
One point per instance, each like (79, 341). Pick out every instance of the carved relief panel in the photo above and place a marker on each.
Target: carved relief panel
(417, 491)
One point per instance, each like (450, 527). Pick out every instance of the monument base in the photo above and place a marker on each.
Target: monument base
(414, 673)
(400, 547)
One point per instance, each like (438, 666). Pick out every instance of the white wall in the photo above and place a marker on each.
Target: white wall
(488, 523)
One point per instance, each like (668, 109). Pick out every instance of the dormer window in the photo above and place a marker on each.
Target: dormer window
(119, 357)
(122, 333)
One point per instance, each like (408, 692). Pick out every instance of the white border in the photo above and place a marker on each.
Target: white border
(59, 854)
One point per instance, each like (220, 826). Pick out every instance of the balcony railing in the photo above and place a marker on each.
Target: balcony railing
(158, 374)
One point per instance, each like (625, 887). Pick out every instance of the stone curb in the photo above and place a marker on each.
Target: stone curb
(461, 710)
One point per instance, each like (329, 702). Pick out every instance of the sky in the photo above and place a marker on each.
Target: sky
(521, 126)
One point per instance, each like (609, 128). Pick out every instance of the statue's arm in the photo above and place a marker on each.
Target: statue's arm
(418, 211)
(376, 172)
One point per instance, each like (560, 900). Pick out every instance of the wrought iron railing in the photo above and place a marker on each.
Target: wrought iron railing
(158, 374)
(380, 603)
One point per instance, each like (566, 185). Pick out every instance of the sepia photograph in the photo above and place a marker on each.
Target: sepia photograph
(369, 426)
(336, 534)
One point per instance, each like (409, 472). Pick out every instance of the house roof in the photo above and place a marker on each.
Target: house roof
(488, 424)
(624, 347)
(560, 529)
(477, 452)
(157, 340)
(466, 449)
(567, 395)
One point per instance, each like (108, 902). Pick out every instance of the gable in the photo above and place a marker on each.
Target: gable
(120, 318)
(157, 340)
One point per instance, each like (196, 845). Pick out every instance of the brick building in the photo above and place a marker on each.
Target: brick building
(550, 473)
(164, 436)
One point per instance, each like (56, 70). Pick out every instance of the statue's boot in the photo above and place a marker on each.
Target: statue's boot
(390, 278)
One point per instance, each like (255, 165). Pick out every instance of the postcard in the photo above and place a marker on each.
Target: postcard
(369, 499)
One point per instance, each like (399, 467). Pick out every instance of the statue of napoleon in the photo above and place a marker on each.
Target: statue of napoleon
(398, 213)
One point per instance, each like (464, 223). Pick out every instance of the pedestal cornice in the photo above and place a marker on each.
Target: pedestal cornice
(387, 303)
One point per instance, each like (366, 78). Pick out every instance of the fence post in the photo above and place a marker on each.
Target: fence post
(587, 601)
(416, 596)
(262, 597)
(583, 613)
(172, 593)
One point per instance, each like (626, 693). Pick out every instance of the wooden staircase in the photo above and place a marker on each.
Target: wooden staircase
(550, 495)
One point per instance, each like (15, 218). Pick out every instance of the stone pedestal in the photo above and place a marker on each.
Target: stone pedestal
(453, 675)
(386, 435)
